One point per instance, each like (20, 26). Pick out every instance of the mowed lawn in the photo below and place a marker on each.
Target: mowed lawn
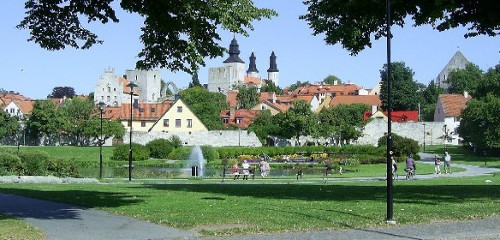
(248, 207)
(11, 228)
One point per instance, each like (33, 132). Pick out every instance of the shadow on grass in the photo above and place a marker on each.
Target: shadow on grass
(402, 193)
(29, 207)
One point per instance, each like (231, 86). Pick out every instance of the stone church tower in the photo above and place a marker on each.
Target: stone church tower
(273, 72)
(458, 61)
(232, 73)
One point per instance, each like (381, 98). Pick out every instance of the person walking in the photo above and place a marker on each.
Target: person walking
(437, 164)
(447, 161)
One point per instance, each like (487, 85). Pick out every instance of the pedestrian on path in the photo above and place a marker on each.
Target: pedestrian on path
(437, 164)
(447, 161)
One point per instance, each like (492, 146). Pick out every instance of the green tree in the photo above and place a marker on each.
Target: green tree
(206, 105)
(77, 111)
(480, 123)
(45, 120)
(61, 92)
(355, 23)
(271, 87)
(343, 122)
(403, 88)
(191, 35)
(467, 79)
(330, 79)
(429, 100)
(195, 81)
(264, 125)
(299, 120)
(247, 97)
(490, 83)
(8, 125)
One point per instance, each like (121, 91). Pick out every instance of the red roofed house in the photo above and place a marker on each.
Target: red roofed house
(448, 110)
(242, 118)
(144, 114)
(396, 116)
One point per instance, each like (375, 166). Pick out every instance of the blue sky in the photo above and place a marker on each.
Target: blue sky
(34, 72)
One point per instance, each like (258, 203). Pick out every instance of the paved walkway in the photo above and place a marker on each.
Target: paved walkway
(64, 221)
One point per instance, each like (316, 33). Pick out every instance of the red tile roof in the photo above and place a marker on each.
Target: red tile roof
(397, 116)
(346, 100)
(245, 115)
(147, 113)
(252, 80)
(453, 104)
(339, 90)
(231, 98)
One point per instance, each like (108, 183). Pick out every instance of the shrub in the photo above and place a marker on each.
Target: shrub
(61, 168)
(176, 141)
(34, 162)
(10, 163)
(181, 153)
(209, 153)
(401, 146)
(139, 152)
(160, 148)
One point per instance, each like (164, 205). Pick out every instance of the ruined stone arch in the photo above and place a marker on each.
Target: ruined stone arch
(163, 91)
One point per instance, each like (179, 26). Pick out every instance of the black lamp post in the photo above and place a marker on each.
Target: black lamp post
(424, 136)
(389, 113)
(131, 85)
(445, 137)
(101, 109)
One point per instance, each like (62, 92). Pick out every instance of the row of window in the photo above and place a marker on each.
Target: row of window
(13, 110)
(178, 123)
(238, 120)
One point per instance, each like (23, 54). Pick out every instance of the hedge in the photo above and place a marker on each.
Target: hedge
(159, 148)
(139, 152)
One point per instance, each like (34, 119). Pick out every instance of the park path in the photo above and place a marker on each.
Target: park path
(65, 221)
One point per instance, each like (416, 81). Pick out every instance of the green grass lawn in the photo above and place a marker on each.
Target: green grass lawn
(14, 229)
(462, 155)
(277, 206)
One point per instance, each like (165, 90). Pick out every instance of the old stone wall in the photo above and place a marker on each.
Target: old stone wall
(434, 132)
(211, 138)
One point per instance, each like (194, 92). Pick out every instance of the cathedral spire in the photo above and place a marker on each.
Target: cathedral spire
(273, 67)
(252, 67)
(234, 52)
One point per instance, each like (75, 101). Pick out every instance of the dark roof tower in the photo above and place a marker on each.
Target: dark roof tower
(252, 67)
(234, 51)
(273, 67)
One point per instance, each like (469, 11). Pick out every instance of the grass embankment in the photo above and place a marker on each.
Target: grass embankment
(14, 229)
(273, 206)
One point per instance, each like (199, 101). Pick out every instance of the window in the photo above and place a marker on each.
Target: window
(179, 109)
(128, 123)
(109, 89)
(108, 98)
(166, 123)
(239, 120)
(153, 109)
(12, 110)
(143, 123)
(225, 120)
(190, 123)
(114, 89)
(177, 123)
(102, 98)
(141, 109)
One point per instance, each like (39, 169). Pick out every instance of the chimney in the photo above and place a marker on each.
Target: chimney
(232, 113)
(335, 82)
(374, 109)
(466, 94)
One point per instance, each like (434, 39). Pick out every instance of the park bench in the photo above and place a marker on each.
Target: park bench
(228, 172)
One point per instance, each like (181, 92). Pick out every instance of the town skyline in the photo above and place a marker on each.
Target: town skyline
(34, 72)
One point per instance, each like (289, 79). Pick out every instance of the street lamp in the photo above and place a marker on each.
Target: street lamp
(445, 137)
(390, 187)
(131, 85)
(101, 109)
(424, 136)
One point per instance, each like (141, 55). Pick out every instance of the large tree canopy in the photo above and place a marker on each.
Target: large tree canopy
(177, 34)
(467, 79)
(353, 23)
(404, 95)
(61, 92)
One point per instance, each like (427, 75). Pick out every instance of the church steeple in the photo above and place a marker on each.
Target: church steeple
(252, 67)
(273, 67)
(234, 52)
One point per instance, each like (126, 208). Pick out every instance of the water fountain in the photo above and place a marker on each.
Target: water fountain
(197, 160)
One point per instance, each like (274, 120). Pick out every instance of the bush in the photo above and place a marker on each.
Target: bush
(401, 146)
(176, 141)
(160, 148)
(34, 162)
(61, 168)
(139, 152)
(181, 153)
(10, 163)
(209, 153)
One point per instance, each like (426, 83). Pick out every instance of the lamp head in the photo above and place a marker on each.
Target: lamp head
(101, 105)
(131, 85)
